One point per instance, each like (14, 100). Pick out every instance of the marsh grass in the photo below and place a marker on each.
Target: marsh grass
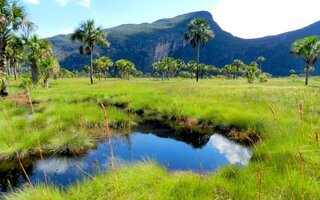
(59, 127)
(282, 112)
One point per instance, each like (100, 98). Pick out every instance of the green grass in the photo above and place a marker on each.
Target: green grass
(139, 181)
(271, 110)
(57, 126)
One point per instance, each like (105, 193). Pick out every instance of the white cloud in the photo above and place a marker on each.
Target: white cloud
(32, 1)
(60, 165)
(62, 2)
(84, 3)
(257, 18)
(235, 153)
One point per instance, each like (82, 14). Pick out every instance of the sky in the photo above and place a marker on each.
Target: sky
(242, 18)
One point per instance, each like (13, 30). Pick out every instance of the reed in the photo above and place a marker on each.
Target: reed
(317, 138)
(108, 134)
(300, 111)
(29, 98)
(24, 171)
(259, 183)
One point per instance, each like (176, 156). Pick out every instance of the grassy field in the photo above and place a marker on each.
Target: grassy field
(67, 118)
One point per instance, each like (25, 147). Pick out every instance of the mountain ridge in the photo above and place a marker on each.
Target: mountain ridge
(148, 42)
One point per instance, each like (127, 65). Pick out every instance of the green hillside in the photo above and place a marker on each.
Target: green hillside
(149, 42)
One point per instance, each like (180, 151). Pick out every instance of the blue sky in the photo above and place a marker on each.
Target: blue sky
(243, 18)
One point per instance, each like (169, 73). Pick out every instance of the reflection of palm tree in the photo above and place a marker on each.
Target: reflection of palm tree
(130, 146)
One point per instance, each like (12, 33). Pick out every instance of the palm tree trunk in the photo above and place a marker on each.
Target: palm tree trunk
(198, 59)
(307, 74)
(46, 80)
(34, 74)
(4, 87)
(9, 67)
(15, 73)
(91, 63)
(91, 66)
(2, 61)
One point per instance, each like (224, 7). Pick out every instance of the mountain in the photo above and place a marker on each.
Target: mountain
(148, 42)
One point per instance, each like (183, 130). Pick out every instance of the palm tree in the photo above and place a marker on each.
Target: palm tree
(308, 49)
(125, 67)
(170, 65)
(251, 72)
(239, 64)
(49, 66)
(90, 35)
(261, 60)
(192, 66)
(15, 53)
(231, 71)
(204, 70)
(102, 64)
(198, 34)
(159, 68)
(86, 69)
(36, 51)
(13, 18)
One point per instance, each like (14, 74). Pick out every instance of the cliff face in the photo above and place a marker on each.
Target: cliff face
(145, 43)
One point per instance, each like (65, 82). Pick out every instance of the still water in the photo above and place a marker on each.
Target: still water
(198, 153)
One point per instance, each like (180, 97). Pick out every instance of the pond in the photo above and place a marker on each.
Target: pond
(195, 152)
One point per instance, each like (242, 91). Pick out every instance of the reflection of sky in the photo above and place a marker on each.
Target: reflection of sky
(60, 165)
(175, 155)
(235, 153)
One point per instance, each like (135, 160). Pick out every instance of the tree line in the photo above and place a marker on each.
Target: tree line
(169, 68)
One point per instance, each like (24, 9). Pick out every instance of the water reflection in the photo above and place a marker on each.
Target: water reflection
(172, 150)
(11, 175)
(60, 165)
(235, 153)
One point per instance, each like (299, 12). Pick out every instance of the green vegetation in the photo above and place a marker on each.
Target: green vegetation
(168, 67)
(66, 125)
(282, 112)
(102, 65)
(125, 68)
(309, 50)
(14, 19)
